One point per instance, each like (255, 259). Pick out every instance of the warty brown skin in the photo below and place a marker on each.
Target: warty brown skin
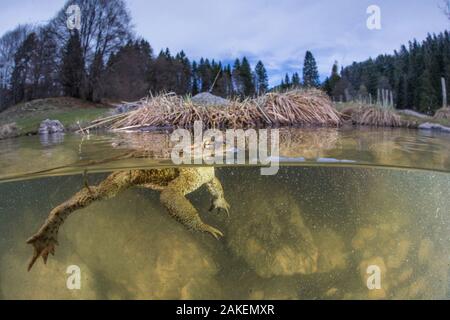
(174, 184)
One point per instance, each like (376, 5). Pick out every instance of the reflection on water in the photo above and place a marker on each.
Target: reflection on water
(306, 233)
(69, 154)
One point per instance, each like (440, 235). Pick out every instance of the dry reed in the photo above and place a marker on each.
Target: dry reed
(443, 113)
(293, 108)
(376, 116)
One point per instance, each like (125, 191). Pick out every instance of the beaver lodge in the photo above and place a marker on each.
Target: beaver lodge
(294, 108)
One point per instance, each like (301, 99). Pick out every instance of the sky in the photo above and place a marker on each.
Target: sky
(278, 32)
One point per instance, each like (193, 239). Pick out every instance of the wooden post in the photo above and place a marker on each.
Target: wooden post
(444, 93)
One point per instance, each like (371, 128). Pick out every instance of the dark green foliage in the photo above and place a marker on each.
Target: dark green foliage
(413, 74)
(127, 71)
(247, 78)
(331, 82)
(295, 80)
(261, 79)
(72, 69)
(310, 72)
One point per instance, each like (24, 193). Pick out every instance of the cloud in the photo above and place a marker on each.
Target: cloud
(276, 32)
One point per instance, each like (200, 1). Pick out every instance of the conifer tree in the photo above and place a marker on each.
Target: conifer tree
(310, 72)
(247, 78)
(295, 80)
(261, 78)
(287, 82)
(73, 68)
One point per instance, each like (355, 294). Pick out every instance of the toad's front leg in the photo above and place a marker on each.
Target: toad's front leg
(218, 201)
(174, 199)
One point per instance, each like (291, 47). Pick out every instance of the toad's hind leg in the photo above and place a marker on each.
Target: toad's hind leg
(174, 199)
(45, 240)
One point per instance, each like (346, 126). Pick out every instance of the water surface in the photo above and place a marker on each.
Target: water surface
(342, 201)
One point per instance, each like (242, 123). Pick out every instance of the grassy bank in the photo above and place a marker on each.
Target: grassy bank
(68, 111)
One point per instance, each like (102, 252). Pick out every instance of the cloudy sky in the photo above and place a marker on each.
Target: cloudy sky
(276, 31)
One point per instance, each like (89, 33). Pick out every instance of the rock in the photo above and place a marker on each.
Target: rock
(332, 251)
(405, 276)
(51, 127)
(208, 99)
(331, 293)
(272, 237)
(127, 107)
(425, 251)
(277, 288)
(434, 127)
(145, 255)
(378, 294)
(399, 255)
(413, 113)
(45, 282)
(363, 235)
(9, 131)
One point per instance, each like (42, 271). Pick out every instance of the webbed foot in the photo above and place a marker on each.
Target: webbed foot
(220, 204)
(217, 234)
(43, 245)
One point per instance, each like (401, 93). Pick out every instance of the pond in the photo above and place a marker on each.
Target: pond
(351, 214)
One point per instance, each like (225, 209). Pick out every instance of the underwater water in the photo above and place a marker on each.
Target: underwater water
(313, 231)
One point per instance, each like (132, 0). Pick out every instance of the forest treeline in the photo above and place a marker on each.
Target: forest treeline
(413, 74)
(105, 60)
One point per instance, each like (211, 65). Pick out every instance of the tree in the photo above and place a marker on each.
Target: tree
(183, 72)
(261, 78)
(162, 73)
(205, 74)
(95, 83)
(45, 65)
(446, 8)
(296, 80)
(238, 87)
(287, 82)
(332, 81)
(72, 69)
(247, 78)
(310, 72)
(21, 78)
(106, 26)
(9, 45)
(194, 79)
(127, 71)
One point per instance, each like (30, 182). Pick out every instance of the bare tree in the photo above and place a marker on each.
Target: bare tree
(105, 26)
(446, 8)
(9, 44)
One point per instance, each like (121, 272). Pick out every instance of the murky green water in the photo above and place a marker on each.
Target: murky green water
(342, 202)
